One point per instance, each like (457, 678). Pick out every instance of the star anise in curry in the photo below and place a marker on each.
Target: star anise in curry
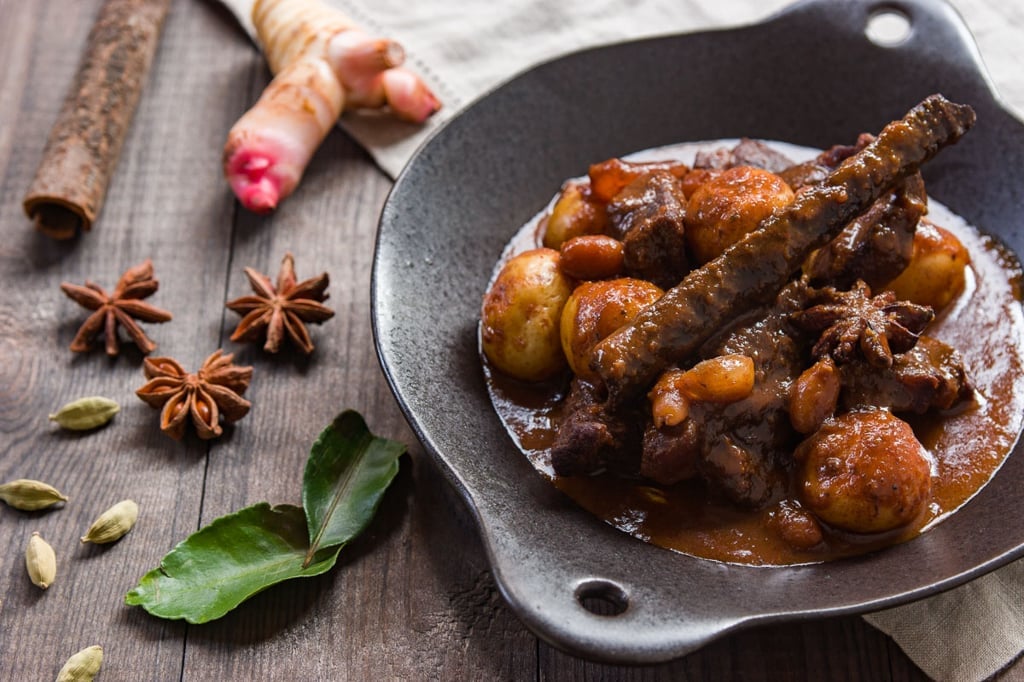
(117, 308)
(854, 320)
(276, 311)
(213, 392)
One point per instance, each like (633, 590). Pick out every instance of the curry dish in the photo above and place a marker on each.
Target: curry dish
(750, 353)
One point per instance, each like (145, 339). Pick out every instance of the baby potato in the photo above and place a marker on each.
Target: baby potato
(573, 214)
(521, 314)
(595, 310)
(864, 472)
(935, 274)
(729, 205)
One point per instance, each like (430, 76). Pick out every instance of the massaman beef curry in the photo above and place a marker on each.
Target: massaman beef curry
(757, 360)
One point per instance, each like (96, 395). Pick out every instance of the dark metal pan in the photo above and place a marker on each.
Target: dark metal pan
(808, 75)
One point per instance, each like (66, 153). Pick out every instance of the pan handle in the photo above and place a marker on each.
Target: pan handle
(931, 29)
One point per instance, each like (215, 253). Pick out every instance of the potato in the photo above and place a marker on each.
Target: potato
(864, 472)
(574, 214)
(595, 310)
(521, 314)
(935, 274)
(728, 206)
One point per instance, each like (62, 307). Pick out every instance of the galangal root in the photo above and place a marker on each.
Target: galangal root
(323, 64)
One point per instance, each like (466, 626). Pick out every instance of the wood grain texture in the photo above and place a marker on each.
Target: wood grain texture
(411, 599)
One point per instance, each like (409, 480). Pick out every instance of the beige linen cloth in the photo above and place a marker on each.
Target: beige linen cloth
(464, 48)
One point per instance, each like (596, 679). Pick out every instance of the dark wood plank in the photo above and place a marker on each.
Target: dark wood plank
(163, 203)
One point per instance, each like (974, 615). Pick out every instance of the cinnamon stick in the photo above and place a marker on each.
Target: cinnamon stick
(80, 155)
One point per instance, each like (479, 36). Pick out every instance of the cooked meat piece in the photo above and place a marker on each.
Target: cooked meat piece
(759, 155)
(747, 153)
(590, 439)
(610, 177)
(931, 375)
(719, 158)
(740, 449)
(876, 246)
(817, 169)
(753, 270)
(670, 453)
(647, 215)
(746, 443)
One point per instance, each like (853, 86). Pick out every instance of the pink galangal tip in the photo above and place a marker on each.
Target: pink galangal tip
(408, 96)
(250, 178)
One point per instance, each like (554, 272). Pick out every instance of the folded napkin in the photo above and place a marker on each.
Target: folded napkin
(464, 48)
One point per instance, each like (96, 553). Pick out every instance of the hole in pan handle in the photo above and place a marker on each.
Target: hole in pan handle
(888, 26)
(602, 597)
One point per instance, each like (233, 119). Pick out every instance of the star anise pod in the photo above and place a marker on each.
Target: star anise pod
(212, 392)
(275, 311)
(850, 320)
(116, 309)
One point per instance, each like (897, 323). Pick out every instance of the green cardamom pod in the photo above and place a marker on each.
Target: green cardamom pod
(113, 523)
(29, 495)
(40, 561)
(83, 666)
(86, 413)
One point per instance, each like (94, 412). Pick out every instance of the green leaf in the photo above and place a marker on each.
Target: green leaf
(346, 475)
(221, 565)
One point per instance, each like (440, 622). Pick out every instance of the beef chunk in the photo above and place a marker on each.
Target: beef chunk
(877, 245)
(747, 443)
(590, 439)
(647, 215)
(747, 153)
(670, 453)
(817, 169)
(739, 449)
(930, 375)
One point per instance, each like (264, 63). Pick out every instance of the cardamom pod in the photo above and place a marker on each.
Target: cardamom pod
(113, 523)
(40, 561)
(83, 666)
(29, 495)
(86, 413)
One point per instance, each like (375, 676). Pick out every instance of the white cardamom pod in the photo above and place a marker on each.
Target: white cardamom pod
(86, 413)
(113, 523)
(29, 495)
(40, 562)
(83, 666)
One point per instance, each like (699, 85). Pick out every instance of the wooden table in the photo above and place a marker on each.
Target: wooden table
(412, 599)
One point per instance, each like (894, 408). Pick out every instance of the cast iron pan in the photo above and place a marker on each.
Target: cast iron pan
(808, 76)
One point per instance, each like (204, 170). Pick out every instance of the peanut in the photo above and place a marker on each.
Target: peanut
(590, 257)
